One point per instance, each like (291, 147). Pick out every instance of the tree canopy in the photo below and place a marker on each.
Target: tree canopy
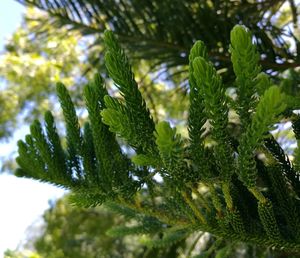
(164, 31)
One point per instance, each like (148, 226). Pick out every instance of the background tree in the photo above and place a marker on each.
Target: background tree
(76, 232)
(164, 31)
(31, 67)
(69, 231)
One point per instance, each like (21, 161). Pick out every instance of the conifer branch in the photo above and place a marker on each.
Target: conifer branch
(216, 109)
(270, 106)
(120, 71)
(245, 65)
(197, 117)
(74, 137)
(246, 197)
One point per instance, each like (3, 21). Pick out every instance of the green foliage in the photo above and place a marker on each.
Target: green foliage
(216, 109)
(74, 137)
(197, 117)
(137, 114)
(145, 160)
(245, 65)
(83, 163)
(17, 254)
(169, 238)
(187, 197)
(116, 116)
(269, 107)
(266, 214)
(171, 151)
(106, 147)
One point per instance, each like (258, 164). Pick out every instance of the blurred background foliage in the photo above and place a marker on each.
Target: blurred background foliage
(74, 232)
(31, 67)
(62, 41)
(69, 232)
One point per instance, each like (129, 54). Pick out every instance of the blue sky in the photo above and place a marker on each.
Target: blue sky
(22, 201)
(10, 17)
